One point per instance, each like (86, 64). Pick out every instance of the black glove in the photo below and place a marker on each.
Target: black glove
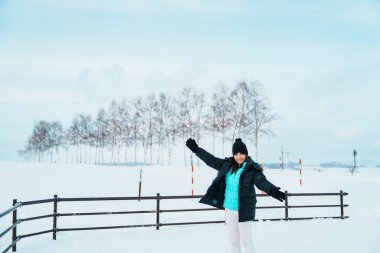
(192, 145)
(277, 194)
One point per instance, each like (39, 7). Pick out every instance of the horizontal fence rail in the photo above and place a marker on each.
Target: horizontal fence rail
(16, 205)
(10, 210)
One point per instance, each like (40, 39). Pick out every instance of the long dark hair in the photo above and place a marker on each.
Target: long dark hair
(236, 166)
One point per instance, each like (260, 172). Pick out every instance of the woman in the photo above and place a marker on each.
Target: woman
(233, 190)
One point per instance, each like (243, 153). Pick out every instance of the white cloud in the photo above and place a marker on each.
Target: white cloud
(17, 97)
(98, 84)
(348, 133)
(136, 7)
(377, 143)
(366, 15)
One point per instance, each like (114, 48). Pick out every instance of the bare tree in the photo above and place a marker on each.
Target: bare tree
(219, 115)
(244, 111)
(93, 140)
(161, 118)
(28, 152)
(136, 121)
(55, 138)
(102, 132)
(191, 122)
(197, 105)
(148, 125)
(37, 143)
(171, 128)
(73, 135)
(239, 98)
(260, 115)
(183, 103)
(43, 139)
(125, 126)
(85, 130)
(210, 121)
(70, 144)
(113, 128)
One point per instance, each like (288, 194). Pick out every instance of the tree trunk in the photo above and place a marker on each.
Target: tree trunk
(85, 154)
(151, 152)
(95, 153)
(51, 154)
(223, 136)
(135, 150)
(158, 153)
(80, 153)
(89, 157)
(126, 154)
(118, 152)
(256, 145)
(184, 149)
(145, 151)
(103, 153)
(77, 153)
(111, 152)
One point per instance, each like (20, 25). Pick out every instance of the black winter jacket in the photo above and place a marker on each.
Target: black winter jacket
(252, 175)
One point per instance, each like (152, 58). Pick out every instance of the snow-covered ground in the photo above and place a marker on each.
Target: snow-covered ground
(27, 181)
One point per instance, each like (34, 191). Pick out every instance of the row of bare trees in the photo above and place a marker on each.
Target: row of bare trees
(155, 124)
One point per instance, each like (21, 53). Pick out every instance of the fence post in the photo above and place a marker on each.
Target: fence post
(14, 230)
(158, 212)
(55, 217)
(341, 205)
(286, 206)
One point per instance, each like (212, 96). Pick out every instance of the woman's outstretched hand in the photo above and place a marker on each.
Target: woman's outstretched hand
(277, 194)
(192, 145)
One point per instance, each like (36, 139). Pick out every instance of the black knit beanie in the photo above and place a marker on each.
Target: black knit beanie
(239, 146)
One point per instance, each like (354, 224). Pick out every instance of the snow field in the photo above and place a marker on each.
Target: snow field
(28, 181)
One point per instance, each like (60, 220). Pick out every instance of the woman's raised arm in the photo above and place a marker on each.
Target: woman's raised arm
(205, 156)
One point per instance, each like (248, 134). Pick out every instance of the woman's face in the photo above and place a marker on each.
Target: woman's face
(240, 158)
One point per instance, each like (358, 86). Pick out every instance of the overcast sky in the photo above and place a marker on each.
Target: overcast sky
(318, 62)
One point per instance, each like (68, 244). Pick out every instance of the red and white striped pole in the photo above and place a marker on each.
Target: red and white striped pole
(192, 176)
(300, 165)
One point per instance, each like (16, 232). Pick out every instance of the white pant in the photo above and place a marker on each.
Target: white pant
(239, 232)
